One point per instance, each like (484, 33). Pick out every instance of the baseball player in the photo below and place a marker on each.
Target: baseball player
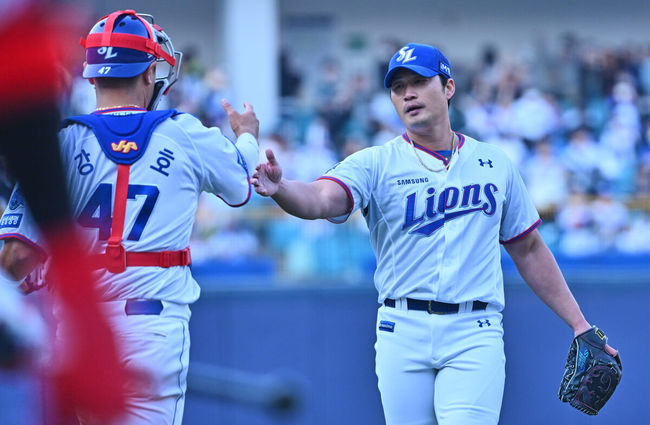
(438, 204)
(135, 175)
(21, 266)
(31, 33)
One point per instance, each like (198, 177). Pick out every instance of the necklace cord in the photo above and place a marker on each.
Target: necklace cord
(118, 107)
(445, 167)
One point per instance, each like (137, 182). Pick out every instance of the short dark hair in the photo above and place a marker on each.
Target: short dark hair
(116, 83)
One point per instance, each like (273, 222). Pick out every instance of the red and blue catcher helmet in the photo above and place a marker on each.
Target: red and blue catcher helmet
(124, 44)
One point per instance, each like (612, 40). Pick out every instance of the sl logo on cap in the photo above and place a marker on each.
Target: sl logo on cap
(405, 55)
(124, 146)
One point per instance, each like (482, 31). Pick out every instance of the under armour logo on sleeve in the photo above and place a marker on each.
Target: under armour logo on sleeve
(481, 323)
(484, 163)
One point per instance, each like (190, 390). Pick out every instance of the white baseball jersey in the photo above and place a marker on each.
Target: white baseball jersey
(182, 159)
(436, 234)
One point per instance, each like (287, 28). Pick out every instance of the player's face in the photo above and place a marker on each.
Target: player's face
(420, 102)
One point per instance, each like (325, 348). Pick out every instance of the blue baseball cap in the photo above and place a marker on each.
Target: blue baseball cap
(426, 60)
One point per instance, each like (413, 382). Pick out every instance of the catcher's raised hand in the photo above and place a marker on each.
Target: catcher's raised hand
(245, 122)
(268, 176)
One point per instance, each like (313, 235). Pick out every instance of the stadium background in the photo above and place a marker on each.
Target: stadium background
(562, 86)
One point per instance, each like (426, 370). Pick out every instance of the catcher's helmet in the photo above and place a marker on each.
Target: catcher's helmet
(124, 44)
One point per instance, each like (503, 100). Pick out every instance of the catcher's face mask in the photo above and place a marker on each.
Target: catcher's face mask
(124, 44)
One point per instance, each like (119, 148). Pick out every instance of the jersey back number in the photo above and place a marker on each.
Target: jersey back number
(98, 212)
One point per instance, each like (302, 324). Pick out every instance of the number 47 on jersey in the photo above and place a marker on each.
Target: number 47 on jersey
(98, 211)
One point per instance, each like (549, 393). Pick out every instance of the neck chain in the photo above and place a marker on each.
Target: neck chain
(118, 107)
(444, 167)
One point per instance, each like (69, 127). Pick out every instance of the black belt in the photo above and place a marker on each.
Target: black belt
(435, 307)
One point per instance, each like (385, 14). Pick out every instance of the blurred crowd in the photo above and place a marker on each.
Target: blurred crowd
(574, 117)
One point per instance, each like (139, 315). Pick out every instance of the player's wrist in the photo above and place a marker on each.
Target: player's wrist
(581, 327)
(240, 132)
(275, 191)
(279, 189)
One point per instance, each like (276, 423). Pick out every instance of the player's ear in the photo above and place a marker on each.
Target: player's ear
(450, 88)
(90, 80)
(150, 74)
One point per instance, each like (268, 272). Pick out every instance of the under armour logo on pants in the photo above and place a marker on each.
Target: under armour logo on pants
(481, 323)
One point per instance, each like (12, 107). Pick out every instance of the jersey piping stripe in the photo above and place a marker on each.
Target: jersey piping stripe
(180, 386)
(347, 190)
(524, 233)
(247, 196)
(27, 241)
(422, 148)
(248, 179)
(461, 140)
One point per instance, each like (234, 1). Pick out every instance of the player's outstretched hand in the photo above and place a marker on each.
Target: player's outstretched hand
(268, 176)
(245, 122)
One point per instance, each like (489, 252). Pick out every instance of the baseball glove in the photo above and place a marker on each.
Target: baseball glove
(591, 374)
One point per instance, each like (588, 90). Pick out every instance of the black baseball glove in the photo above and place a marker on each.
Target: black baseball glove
(591, 374)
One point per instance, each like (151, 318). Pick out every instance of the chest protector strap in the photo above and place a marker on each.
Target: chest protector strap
(123, 139)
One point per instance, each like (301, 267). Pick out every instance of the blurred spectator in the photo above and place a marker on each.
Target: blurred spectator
(610, 218)
(618, 150)
(384, 121)
(332, 104)
(546, 180)
(533, 116)
(216, 88)
(635, 239)
(358, 95)
(642, 184)
(582, 157)
(189, 91)
(315, 156)
(385, 49)
(290, 78)
(576, 223)
(644, 69)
